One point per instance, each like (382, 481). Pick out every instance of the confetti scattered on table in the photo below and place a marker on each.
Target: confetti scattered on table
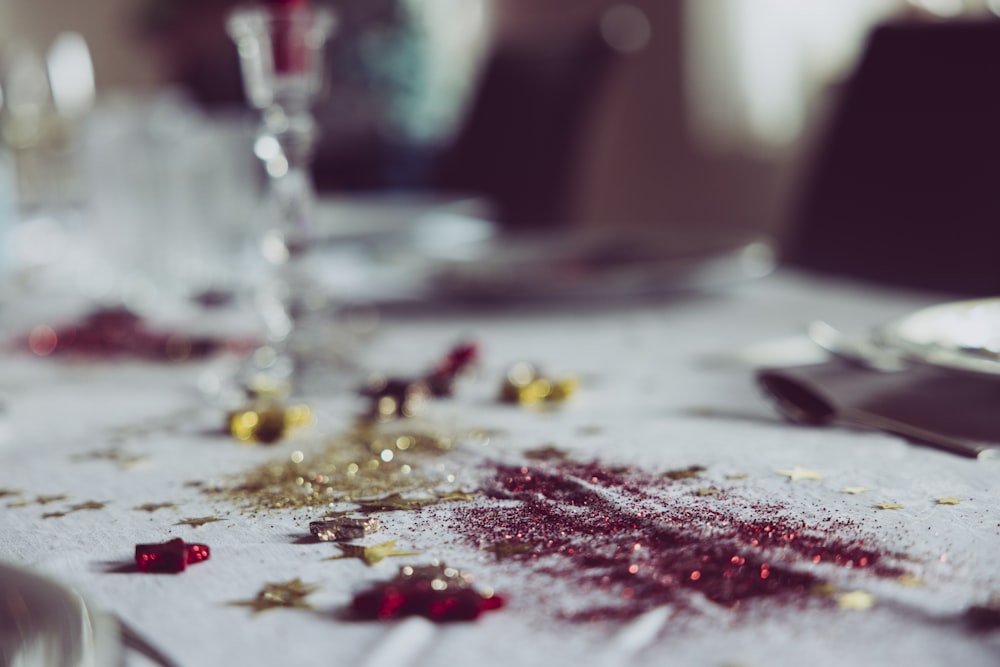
(45, 500)
(947, 501)
(373, 554)
(684, 473)
(795, 474)
(854, 490)
(888, 506)
(344, 528)
(197, 522)
(87, 505)
(154, 507)
(525, 385)
(856, 600)
(284, 595)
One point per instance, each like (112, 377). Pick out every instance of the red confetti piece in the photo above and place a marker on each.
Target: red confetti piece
(169, 557)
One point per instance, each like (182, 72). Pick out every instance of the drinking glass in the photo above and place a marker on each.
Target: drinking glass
(281, 52)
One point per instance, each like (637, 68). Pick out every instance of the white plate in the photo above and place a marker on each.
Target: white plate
(962, 335)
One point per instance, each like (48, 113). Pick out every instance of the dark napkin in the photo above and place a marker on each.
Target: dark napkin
(960, 407)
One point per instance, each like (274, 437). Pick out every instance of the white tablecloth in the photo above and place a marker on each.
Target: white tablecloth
(655, 393)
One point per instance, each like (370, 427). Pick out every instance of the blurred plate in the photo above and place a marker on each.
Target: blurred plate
(962, 335)
(601, 262)
(43, 623)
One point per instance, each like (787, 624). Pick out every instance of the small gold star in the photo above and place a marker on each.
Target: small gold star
(87, 505)
(9, 492)
(54, 515)
(707, 492)
(947, 501)
(19, 503)
(373, 554)
(857, 600)
(909, 580)
(797, 473)
(45, 500)
(289, 595)
(152, 507)
(504, 550)
(888, 506)
(854, 490)
(197, 522)
(737, 475)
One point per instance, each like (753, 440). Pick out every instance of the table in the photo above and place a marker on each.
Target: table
(666, 438)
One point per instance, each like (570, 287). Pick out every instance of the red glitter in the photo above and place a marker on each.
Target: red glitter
(627, 532)
(169, 557)
(436, 592)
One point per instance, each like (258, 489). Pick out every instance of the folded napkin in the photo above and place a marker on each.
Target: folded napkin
(954, 411)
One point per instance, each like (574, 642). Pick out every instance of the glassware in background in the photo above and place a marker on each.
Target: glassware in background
(281, 50)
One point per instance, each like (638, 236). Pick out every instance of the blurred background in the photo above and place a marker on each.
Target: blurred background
(586, 113)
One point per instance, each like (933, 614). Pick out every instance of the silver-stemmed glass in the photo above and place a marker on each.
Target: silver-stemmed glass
(281, 52)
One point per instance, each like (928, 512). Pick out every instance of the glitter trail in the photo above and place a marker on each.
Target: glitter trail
(645, 541)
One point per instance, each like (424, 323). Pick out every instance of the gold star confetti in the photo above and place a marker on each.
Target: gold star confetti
(4, 493)
(288, 595)
(707, 492)
(87, 505)
(854, 490)
(504, 550)
(887, 506)
(153, 507)
(797, 473)
(45, 500)
(737, 475)
(373, 554)
(197, 522)
(856, 600)
(54, 515)
(19, 503)
(910, 580)
(947, 501)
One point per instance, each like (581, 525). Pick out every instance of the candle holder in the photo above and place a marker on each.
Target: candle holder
(281, 52)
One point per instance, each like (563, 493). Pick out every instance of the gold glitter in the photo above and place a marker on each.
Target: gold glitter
(343, 528)
(373, 554)
(797, 473)
(502, 550)
(287, 595)
(856, 600)
(396, 501)
(524, 385)
(9, 492)
(888, 506)
(197, 522)
(947, 501)
(351, 467)
(854, 490)
(153, 507)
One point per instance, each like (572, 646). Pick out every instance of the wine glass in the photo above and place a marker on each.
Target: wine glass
(281, 52)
